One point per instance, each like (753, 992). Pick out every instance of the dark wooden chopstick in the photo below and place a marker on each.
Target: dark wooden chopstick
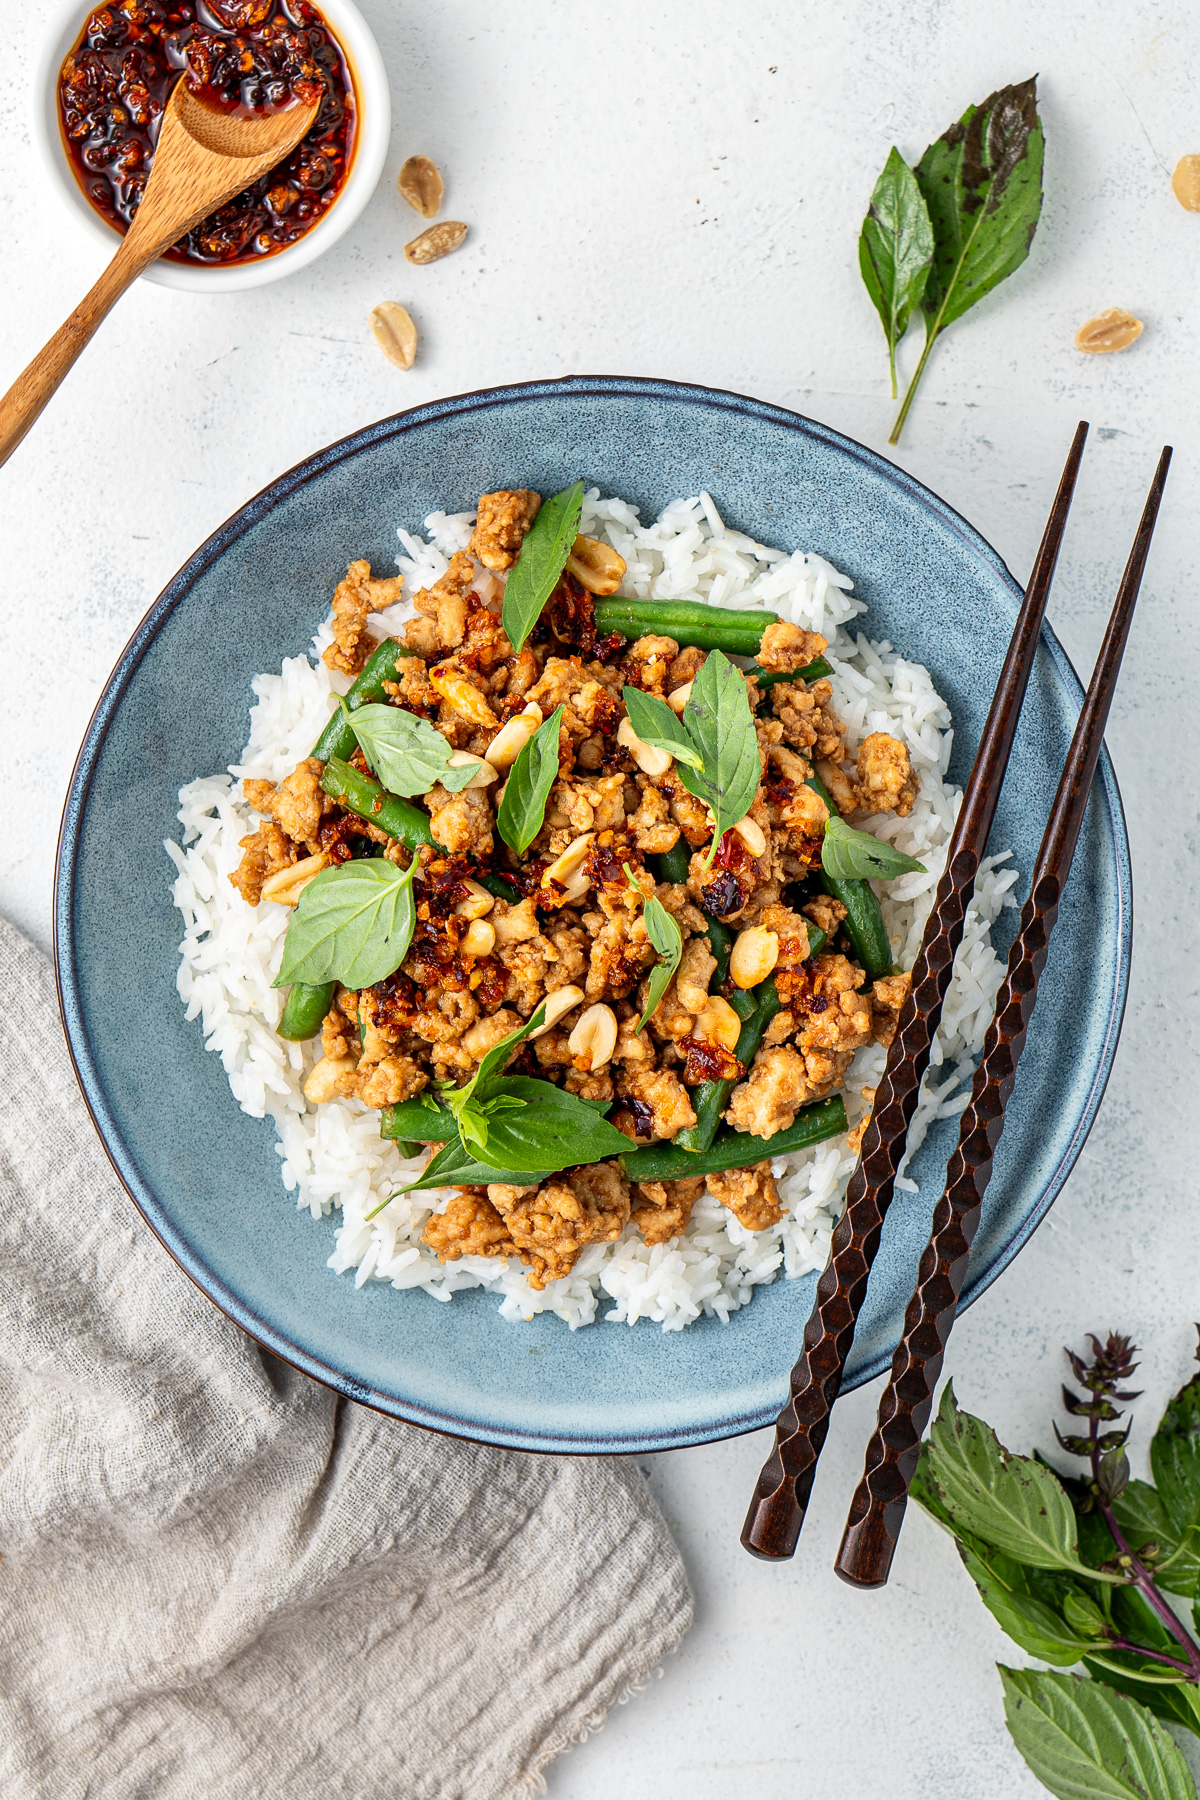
(877, 1510)
(777, 1510)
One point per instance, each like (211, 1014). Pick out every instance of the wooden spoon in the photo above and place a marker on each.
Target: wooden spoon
(203, 158)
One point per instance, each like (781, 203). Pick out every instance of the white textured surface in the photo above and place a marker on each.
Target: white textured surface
(703, 228)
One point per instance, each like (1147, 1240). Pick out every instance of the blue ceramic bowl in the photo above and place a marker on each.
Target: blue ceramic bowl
(206, 1177)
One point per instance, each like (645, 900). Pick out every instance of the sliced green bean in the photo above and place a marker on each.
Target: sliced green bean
(398, 818)
(813, 671)
(408, 1119)
(338, 739)
(304, 1010)
(674, 863)
(720, 941)
(688, 622)
(737, 1149)
(863, 923)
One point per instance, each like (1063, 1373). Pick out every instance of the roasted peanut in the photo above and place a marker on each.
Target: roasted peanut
(395, 333)
(478, 901)
(1113, 330)
(512, 738)
(331, 1076)
(479, 939)
(596, 565)
(420, 182)
(649, 759)
(438, 241)
(484, 774)
(679, 697)
(754, 955)
(751, 834)
(517, 924)
(286, 885)
(1185, 183)
(463, 696)
(718, 1024)
(594, 1038)
(558, 1005)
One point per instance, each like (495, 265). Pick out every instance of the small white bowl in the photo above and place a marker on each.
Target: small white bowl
(373, 130)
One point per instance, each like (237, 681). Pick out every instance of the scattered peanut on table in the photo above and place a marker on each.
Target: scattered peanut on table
(1185, 183)
(395, 333)
(440, 240)
(420, 183)
(1113, 330)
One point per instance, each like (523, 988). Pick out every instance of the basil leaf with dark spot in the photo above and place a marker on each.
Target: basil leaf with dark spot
(408, 754)
(895, 251)
(850, 855)
(523, 808)
(982, 184)
(353, 924)
(718, 720)
(540, 562)
(1080, 1738)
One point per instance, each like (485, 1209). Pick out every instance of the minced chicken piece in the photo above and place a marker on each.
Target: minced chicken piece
(354, 599)
(887, 997)
(263, 852)
(786, 647)
(470, 1226)
(296, 804)
(779, 1085)
(551, 1225)
(501, 523)
(808, 720)
(390, 1081)
(750, 1194)
(461, 823)
(663, 1094)
(445, 604)
(885, 778)
(661, 1209)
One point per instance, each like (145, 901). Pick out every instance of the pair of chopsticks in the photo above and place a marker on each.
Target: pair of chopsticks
(777, 1510)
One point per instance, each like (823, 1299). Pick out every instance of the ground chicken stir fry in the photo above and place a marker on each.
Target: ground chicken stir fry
(478, 965)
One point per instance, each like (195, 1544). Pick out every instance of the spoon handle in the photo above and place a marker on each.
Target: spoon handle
(32, 389)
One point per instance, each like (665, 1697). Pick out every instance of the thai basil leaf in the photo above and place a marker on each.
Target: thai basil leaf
(850, 855)
(1028, 1621)
(549, 1128)
(1143, 1518)
(655, 723)
(533, 774)
(353, 924)
(1175, 1462)
(718, 720)
(465, 1103)
(1085, 1742)
(1012, 1502)
(982, 184)
(408, 754)
(541, 560)
(667, 940)
(454, 1166)
(895, 250)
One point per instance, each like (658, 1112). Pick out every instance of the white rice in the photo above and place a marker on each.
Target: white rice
(333, 1156)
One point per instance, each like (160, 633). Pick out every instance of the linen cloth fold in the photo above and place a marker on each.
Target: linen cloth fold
(219, 1579)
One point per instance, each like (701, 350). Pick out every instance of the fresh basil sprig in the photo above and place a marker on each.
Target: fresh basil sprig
(717, 727)
(353, 924)
(895, 251)
(667, 939)
(850, 855)
(408, 754)
(523, 808)
(981, 187)
(540, 561)
(1077, 1572)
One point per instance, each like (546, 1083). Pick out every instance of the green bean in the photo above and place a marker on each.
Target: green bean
(720, 941)
(813, 671)
(398, 818)
(688, 622)
(304, 1010)
(503, 890)
(408, 1120)
(863, 923)
(710, 1099)
(674, 863)
(737, 1149)
(338, 738)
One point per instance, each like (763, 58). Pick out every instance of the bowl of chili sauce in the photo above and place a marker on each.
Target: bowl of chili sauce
(108, 71)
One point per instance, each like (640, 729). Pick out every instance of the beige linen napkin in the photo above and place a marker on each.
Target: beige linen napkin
(219, 1580)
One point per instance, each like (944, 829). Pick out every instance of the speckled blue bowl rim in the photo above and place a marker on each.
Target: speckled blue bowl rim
(176, 590)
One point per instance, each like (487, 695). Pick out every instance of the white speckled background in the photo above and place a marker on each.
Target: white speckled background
(676, 190)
